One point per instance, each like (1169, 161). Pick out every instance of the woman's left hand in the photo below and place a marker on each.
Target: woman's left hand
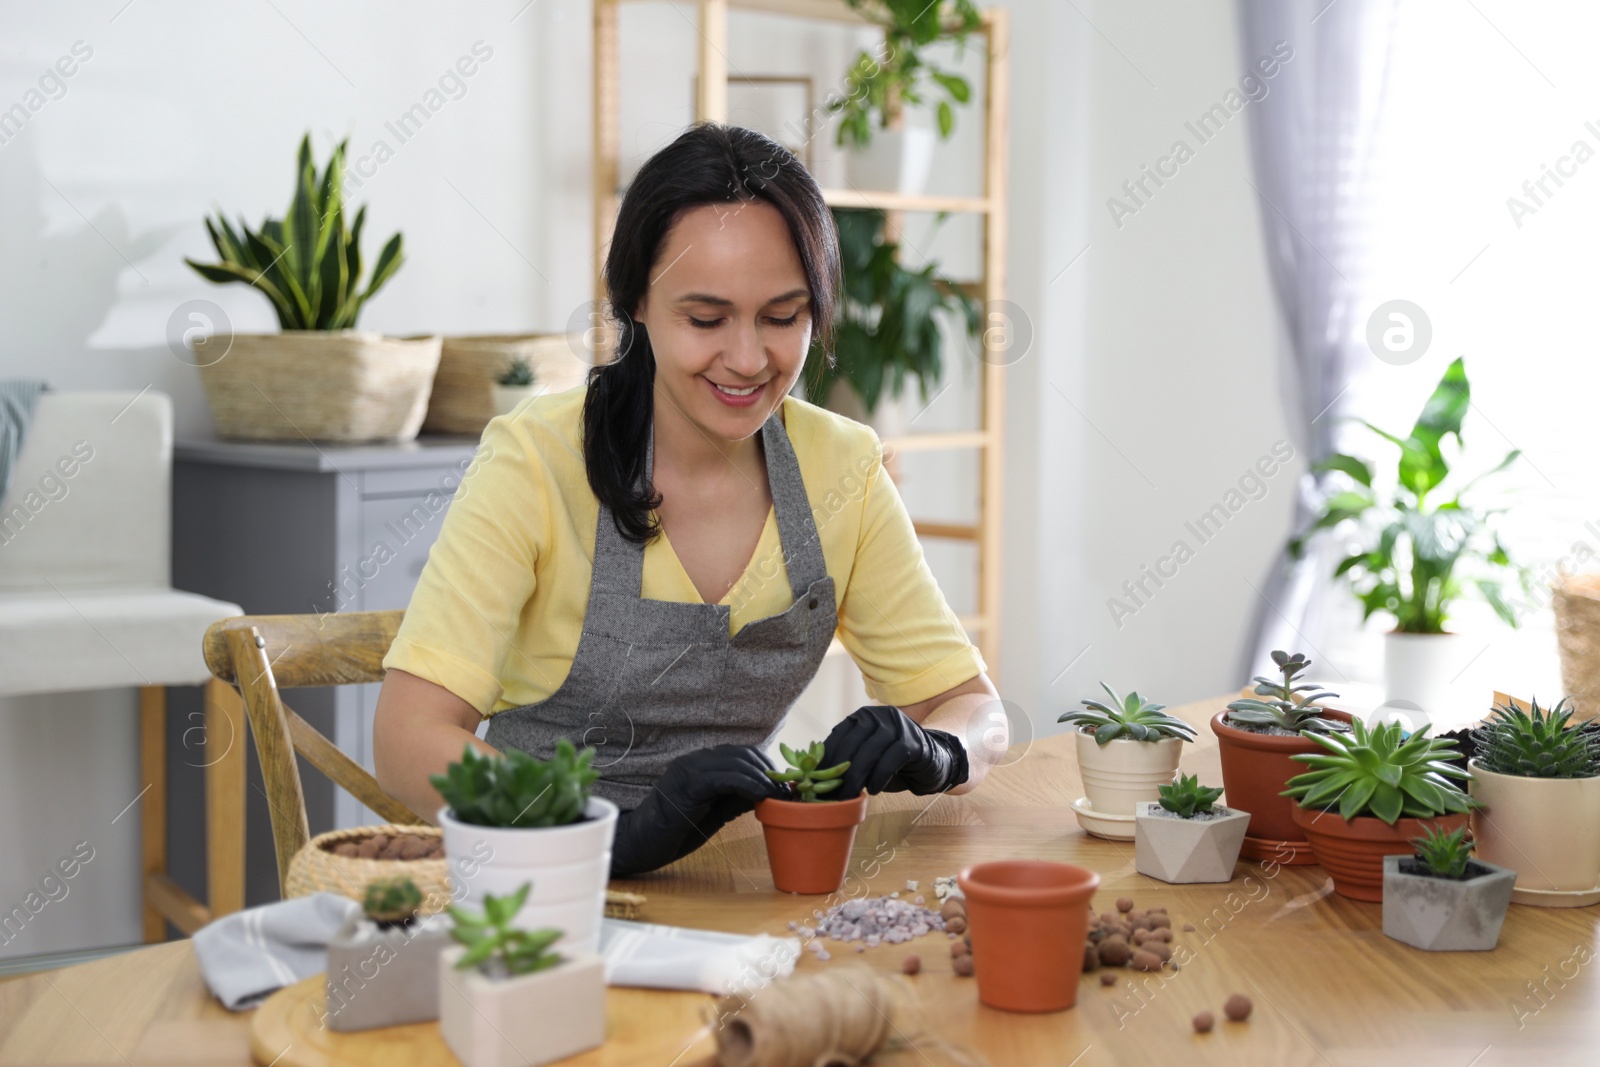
(890, 752)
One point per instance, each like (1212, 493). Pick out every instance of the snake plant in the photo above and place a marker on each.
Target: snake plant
(1132, 717)
(809, 781)
(516, 790)
(1538, 743)
(1290, 706)
(308, 264)
(1381, 772)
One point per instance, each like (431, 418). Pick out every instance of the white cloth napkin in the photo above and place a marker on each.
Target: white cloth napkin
(247, 955)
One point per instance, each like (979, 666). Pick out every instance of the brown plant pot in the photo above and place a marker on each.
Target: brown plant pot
(1027, 920)
(1255, 770)
(1352, 850)
(808, 842)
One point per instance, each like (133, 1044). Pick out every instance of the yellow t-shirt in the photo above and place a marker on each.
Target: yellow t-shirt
(497, 612)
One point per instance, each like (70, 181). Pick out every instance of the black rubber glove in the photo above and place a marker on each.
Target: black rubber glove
(695, 796)
(889, 752)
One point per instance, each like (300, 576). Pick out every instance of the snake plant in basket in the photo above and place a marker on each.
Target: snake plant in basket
(1128, 747)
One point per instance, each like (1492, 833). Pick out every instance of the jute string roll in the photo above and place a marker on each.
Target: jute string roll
(835, 1018)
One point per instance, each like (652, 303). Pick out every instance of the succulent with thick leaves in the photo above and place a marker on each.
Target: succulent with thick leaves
(490, 935)
(1446, 854)
(388, 901)
(1380, 772)
(1291, 704)
(519, 373)
(1187, 798)
(307, 264)
(516, 790)
(809, 781)
(1132, 717)
(1538, 743)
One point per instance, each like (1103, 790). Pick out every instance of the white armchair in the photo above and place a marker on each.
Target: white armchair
(86, 603)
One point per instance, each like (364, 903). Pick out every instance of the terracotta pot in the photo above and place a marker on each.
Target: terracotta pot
(1122, 774)
(808, 842)
(1027, 920)
(1545, 829)
(1255, 770)
(1352, 850)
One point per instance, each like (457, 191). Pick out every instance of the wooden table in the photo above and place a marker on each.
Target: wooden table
(1328, 987)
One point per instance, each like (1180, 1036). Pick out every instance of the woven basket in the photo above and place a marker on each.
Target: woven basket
(463, 390)
(322, 385)
(314, 869)
(1576, 600)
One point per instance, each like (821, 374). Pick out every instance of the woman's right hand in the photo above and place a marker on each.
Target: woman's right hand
(695, 796)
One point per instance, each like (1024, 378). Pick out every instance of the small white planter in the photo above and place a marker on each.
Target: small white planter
(1442, 914)
(568, 866)
(1119, 775)
(896, 161)
(507, 397)
(524, 1020)
(1179, 850)
(1417, 669)
(1545, 829)
(384, 977)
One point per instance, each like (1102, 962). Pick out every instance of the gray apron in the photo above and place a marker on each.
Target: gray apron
(654, 679)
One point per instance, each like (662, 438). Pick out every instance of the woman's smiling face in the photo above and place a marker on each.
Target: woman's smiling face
(728, 313)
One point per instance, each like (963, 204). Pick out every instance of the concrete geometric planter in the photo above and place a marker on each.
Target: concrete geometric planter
(1174, 849)
(384, 976)
(524, 1020)
(1445, 914)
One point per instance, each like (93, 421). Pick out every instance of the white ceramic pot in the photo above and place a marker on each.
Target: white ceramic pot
(568, 867)
(1418, 668)
(1181, 851)
(1545, 829)
(524, 1020)
(1121, 774)
(507, 397)
(893, 161)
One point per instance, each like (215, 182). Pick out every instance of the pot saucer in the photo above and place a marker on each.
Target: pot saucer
(1100, 824)
(1556, 898)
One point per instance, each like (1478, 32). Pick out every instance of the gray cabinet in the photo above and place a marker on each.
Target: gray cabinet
(295, 529)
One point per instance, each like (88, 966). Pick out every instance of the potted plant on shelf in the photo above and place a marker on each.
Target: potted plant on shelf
(511, 818)
(1368, 795)
(1127, 750)
(1416, 554)
(1443, 900)
(1256, 736)
(898, 159)
(383, 965)
(1538, 778)
(1186, 836)
(808, 835)
(319, 378)
(507, 1000)
(514, 386)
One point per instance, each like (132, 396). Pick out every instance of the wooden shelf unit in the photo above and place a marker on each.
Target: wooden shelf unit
(712, 105)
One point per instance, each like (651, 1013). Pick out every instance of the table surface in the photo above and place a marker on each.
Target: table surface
(1328, 987)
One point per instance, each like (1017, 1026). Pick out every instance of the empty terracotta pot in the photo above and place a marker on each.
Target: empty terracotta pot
(1352, 850)
(1027, 920)
(1255, 769)
(808, 842)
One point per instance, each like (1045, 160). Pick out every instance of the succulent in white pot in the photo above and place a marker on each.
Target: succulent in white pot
(1186, 836)
(1441, 899)
(383, 964)
(1127, 749)
(517, 384)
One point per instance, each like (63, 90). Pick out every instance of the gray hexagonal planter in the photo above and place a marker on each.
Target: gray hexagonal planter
(1175, 849)
(385, 976)
(1442, 914)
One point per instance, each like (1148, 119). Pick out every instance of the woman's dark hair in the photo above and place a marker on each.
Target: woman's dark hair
(709, 163)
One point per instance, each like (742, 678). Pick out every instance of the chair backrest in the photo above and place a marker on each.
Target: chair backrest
(262, 654)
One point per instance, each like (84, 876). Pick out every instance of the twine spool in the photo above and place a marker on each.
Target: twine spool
(839, 1017)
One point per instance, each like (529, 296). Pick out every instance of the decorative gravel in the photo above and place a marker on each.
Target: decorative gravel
(874, 921)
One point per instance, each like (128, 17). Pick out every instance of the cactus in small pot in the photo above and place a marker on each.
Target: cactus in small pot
(383, 964)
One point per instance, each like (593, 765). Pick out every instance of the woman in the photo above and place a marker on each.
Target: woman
(655, 563)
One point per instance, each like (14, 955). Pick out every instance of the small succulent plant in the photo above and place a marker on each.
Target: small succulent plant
(515, 789)
(1132, 717)
(1381, 772)
(1290, 703)
(1187, 798)
(1446, 854)
(491, 939)
(1537, 743)
(391, 901)
(807, 779)
(519, 373)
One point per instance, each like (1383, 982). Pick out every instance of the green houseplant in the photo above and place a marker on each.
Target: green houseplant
(809, 833)
(809, 782)
(1186, 836)
(1416, 549)
(504, 995)
(510, 818)
(1440, 898)
(1538, 776)
(1127, 749)
(515, 385)
(383, 964)
(1367, 795)
(319, 378)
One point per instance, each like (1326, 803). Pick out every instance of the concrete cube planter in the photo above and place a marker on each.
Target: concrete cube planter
(384, 976)
(525, 1020)
(1179, 850)
(1443, 914)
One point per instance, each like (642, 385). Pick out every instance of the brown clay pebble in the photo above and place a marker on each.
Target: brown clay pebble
(1108, 977)
(1162, 934)
(1136, 916)
(381, 839)
(962, 965)
(1091, 958)
(368, 849)
(345, 848)
(951, 908)
(1145, 961)
(1124, 904)
(911, 964)
(1140, 936)
(1158, 950)
(1158, 922)
(1237, 1008)
(413, 848)
(956, 925)
(1114, 951)
(1188, 928)
(1110, 918)
(1203, 1022)
(960, 948)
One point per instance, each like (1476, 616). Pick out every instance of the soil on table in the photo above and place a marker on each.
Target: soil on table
(1414, 865)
